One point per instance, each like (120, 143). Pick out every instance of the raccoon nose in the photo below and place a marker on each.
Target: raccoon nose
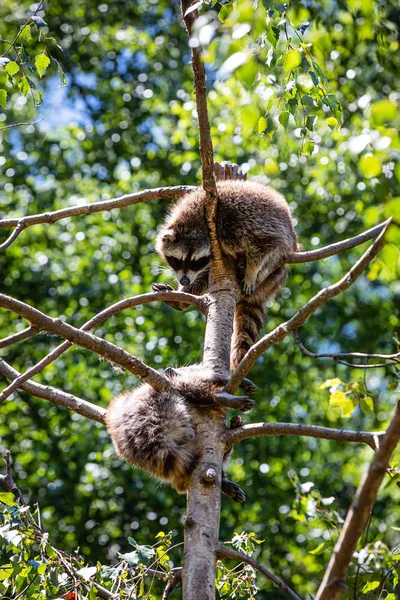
(184, 280)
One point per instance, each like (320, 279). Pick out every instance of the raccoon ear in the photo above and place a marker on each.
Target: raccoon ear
(168, 236)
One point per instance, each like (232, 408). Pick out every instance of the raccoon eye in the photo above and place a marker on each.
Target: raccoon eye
(174, 262)
(196, 265)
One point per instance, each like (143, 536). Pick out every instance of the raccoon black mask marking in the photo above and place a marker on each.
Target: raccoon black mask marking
(254, 227)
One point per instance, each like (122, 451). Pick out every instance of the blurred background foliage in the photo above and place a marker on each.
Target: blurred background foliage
(126, 121)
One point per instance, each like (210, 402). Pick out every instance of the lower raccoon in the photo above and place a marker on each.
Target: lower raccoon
(154, 430)
(254, 228)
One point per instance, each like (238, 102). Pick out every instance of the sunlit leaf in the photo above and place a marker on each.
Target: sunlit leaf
(42, 61)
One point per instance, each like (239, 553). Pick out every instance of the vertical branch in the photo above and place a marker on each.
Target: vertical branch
(357, 517)
(204, 499)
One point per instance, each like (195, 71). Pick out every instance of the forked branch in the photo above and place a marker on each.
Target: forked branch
(284, 329)
(340, 356)
(94, 322)
(225, 552)
(86, 340)
(357, 516)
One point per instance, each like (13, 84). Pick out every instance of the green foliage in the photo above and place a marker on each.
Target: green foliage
(126, 121)
(22, 47)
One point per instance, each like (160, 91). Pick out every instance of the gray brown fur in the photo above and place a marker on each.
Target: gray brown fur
(254, 227)
(154, 430)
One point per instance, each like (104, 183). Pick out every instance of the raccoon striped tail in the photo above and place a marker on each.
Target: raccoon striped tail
(250, 314)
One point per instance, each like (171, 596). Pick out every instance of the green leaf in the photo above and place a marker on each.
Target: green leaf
(12, 68)
(3, 98)
(291, 60)
(392, 387)
(262, 124)
(320, 72)
(25, 34)
(371, 585)
(61, 75)
(308, 100)
(308, 148)
(247, 74)
(42, 61)
(311, 120)
(367, 404)
(340, 400)
(284, 118)
(273, 35)
(225, 12)
(314, 78)
(370, 166)
(5, 571)
(23, 85)
(87, 572)
(7, 498)
(332, 122)
(319, 549)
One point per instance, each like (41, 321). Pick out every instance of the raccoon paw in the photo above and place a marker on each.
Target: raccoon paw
(233, 490)
(235, 422)
(248, 386)
(249, 287)
(241, 403)
(161, 287)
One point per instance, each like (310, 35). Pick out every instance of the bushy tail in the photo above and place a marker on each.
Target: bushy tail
(250, 314)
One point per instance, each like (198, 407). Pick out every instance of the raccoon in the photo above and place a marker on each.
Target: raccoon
(254, 228)
(154, 430)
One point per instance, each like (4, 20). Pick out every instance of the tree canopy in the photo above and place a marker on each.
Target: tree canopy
(303, 96)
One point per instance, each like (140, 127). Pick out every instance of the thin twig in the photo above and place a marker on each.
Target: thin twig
(176, 581)
(20, 125)
(14, 338)
(225, 552)
(56, 396)
(233, 436)
(94, 322)
(7, 482)
(338, 357)
(334, 579)
(39, 6)
(286, 328)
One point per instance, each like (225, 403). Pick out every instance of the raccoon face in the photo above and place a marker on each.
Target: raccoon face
(187, 265)
(186, 255)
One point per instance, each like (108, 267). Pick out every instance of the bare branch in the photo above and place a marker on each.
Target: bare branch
(302, 257)
(94, 322)
(39, 7)
(86, 340)
(358, 514)
(18, 337)
(7, 482)
(394, 358)
(284, 329)
(253, 430)
(13, 236)
(176, 581)
(56, 396)
(225, 552)
(20, 124)
(89, 208)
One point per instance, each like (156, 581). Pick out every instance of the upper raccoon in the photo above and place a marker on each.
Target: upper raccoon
(254, 226)
(154, 430)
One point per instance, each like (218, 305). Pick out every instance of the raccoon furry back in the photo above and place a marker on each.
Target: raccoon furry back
(254, 228)
(154, 431)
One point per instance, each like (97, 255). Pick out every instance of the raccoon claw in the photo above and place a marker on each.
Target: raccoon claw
(235, 422)
(241, 403)
(249, 287)
(248, 386)
(233, 491)
(161, 287)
